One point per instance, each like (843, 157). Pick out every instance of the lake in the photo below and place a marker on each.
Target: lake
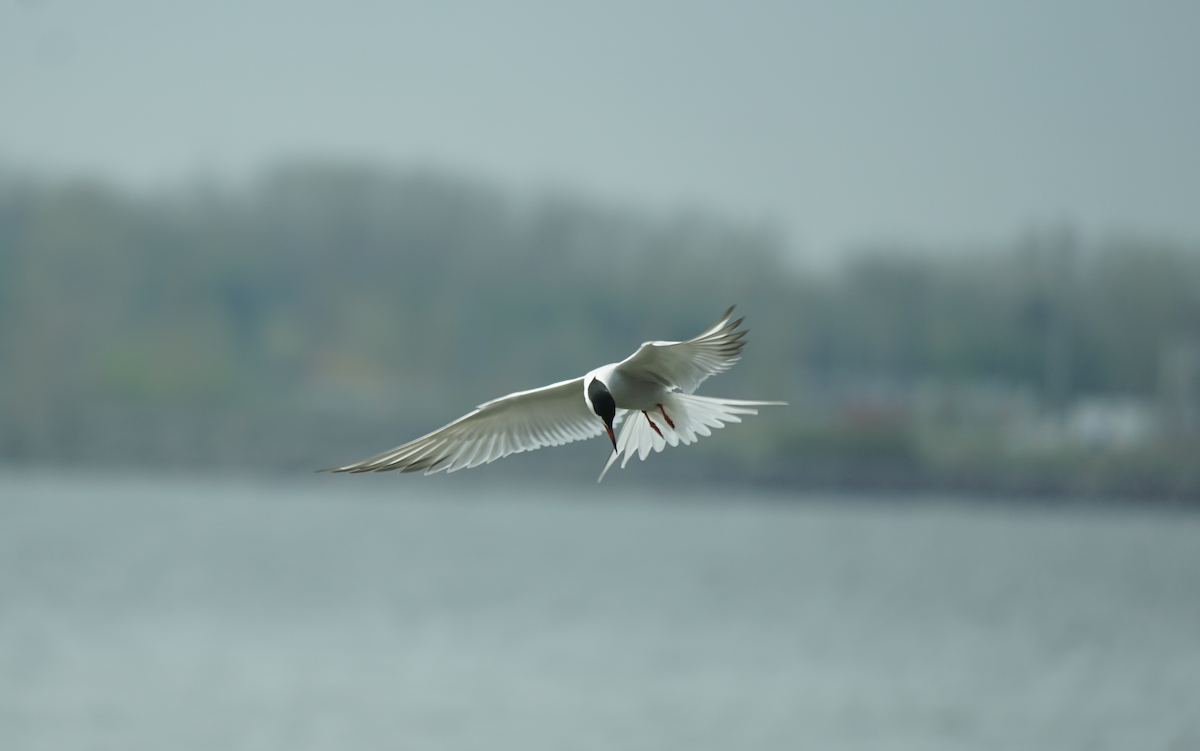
(350, 612)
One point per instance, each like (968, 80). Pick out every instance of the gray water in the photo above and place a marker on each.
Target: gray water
(414, 614)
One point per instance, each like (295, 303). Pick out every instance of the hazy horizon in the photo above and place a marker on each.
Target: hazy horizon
(842, 125)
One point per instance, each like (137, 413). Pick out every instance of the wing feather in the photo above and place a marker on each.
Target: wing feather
(524, 421)
(685, 365)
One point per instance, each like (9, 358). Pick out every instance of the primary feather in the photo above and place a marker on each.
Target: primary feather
(685, 365)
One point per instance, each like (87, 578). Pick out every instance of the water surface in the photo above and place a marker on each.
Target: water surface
(154, 613)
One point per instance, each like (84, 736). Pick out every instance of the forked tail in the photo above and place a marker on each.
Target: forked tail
(693, 416)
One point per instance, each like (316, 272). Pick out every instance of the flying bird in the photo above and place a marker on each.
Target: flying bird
(651, 391)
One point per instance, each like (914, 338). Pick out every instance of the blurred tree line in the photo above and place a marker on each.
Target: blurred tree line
(408, 297)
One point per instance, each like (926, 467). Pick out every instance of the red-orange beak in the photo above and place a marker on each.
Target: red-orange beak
(612, 437)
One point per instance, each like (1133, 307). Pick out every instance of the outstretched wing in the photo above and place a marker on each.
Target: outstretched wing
(685, 365)
(524, 421)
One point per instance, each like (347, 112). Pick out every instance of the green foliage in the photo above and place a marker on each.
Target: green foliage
(337, 288)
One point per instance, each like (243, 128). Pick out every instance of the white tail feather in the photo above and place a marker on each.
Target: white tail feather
(693, 416)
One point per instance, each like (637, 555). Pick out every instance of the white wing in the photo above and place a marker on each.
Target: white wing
(524, 421)
(685, 365)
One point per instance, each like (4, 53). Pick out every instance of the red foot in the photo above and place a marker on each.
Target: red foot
(656, 430)
(668, 419)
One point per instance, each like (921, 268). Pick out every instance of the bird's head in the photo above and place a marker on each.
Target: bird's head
(602, 403)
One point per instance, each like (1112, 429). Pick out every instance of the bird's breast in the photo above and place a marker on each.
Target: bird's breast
(634, 393)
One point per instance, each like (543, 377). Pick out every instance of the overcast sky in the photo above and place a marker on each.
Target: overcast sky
(844, 122)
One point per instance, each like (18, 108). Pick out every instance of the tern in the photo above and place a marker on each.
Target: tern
(658, 381)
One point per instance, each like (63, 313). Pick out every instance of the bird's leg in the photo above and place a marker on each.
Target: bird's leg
(656, 430)
(668, 419)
